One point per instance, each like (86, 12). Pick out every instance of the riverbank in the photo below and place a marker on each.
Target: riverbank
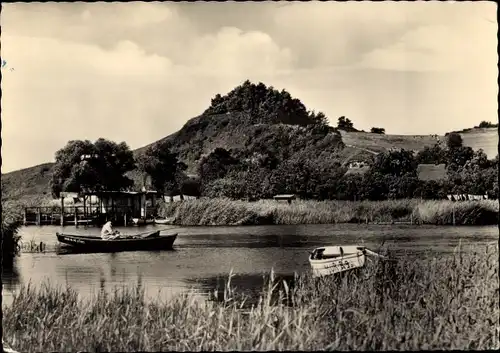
(269, 212)
(11, 221)
(445, 303)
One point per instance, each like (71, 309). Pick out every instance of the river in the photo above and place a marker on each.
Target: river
(203, 256)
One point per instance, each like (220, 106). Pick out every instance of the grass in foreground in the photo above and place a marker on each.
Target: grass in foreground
(444, 303)
(228, 212)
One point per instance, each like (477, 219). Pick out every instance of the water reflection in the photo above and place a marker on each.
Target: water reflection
(248, 286)
(203, 256)
(10, 274)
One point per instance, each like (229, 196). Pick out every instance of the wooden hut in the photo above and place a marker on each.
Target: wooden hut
(285, 197)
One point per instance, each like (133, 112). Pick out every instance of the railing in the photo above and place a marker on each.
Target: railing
(81, 215)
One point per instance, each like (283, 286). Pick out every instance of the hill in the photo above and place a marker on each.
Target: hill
(482, 138)
(29, 185)
(257, 122)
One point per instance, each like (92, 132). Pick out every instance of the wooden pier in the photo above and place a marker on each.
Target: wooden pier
(76, 215)
(119, 207)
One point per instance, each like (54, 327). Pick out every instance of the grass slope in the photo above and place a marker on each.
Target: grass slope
(379, 143)
(485, 139)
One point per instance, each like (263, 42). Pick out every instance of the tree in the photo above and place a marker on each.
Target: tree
(432, 189)
(377, 130)
(477, 176)
(262, 104)
(349, 187)
(319, 118)
(374, 186)
(457, 157)
(397, 163)
(345, 124)
(83, 165)
(162, 165)
(215, 166)
(191, 186)
(431, 155)
(487, 124)
(454, 140)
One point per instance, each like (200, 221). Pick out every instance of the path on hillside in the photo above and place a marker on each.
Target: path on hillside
(363, 149)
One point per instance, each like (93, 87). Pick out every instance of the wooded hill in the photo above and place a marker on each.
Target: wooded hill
(255, 123)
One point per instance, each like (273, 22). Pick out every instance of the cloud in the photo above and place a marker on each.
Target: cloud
(67, 89)
(138, 71)
(440, 47)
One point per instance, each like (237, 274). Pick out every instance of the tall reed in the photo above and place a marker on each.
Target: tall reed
(409, 304)
(229, 212)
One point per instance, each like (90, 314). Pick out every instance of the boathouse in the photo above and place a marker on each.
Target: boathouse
(118, 205)
(95, 208)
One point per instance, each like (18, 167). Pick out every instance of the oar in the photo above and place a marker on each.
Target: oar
(369, 252)
(144, 235)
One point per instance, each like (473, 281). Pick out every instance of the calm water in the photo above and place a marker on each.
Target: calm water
(204, 256)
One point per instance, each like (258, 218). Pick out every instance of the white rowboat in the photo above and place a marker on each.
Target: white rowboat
(164, 220)
(142, 221)
(329, 260)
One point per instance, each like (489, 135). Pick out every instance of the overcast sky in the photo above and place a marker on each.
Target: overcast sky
(137, 72)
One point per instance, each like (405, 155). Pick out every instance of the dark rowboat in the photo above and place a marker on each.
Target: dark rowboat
(148, 241)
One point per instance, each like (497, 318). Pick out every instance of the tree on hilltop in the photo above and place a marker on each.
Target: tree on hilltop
(377, 130)
(83, 165)
(345, 124)
(487, 124)
(264, 105)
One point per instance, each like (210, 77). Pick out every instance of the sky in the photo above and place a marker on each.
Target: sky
(136, 72)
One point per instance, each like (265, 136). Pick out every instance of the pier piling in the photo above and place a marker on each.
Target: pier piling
(38, 216)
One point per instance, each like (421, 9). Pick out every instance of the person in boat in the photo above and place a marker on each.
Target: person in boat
(108, 233)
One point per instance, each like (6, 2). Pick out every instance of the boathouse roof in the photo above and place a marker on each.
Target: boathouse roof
(117, 192)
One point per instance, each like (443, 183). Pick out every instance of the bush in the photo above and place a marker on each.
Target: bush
(11, 221)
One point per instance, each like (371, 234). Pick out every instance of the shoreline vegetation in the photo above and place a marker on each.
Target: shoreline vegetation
(220, 211)
(448, 302)
(10, 239)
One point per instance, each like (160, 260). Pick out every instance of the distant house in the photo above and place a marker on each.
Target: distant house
(361, 168)
(431, 172)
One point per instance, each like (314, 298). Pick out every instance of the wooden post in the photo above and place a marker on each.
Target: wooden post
(62, 210)
(84, 206)
(38, 216)
(76, 216)
(25, 216)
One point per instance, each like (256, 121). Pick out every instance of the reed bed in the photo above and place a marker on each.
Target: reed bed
(408, 304)
(230, 212)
